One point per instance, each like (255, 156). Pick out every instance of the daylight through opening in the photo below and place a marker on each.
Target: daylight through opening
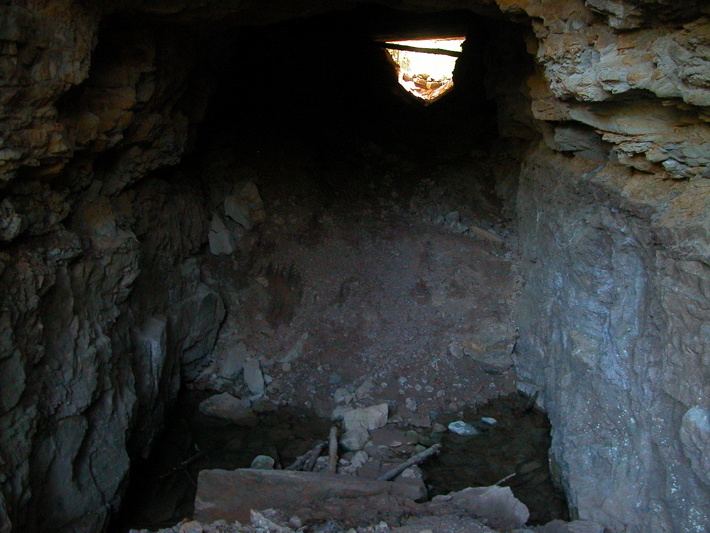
(425, 68)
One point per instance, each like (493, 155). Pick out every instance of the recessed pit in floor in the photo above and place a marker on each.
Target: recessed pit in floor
(510, 449)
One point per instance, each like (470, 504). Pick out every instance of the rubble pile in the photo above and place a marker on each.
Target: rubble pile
(358, 498)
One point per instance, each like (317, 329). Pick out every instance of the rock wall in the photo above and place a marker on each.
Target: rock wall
(613, 329)
(98, 298)
(613, 212)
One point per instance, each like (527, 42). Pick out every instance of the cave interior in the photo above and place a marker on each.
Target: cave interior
(245, 204)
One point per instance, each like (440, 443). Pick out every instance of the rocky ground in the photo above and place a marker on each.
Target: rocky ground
(399, 293)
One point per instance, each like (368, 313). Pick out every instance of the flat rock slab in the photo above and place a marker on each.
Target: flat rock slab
(494, 506)
(231, 494)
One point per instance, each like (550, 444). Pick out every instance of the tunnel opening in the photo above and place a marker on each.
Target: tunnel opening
(358, 242)
(425, 68)
(328, 77)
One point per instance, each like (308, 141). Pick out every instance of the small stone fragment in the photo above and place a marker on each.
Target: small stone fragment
(421, 420)
(253, 377)
(221, 241)
(232, 362)
(364, 390)
(359, 459)
(262, 523)
(342, 395)
(263, 462)
(462, 428)
(296, 350)
(191, 527)
(413, 472)
(452, 217)
(411, 404)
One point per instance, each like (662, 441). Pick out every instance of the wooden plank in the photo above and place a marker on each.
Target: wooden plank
(407, 48)
(232, 494)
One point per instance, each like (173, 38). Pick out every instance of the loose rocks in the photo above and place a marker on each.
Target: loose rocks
(227, 407)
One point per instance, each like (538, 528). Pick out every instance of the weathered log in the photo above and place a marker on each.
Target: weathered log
(407, 48)
(414, 460)
(301, 461)
(182, 466)
(231, 495)
(333, 450)
(506, 478)
(315, 453)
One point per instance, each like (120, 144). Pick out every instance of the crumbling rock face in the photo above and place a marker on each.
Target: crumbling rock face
(613, 317)
(101, 304)
(613, 328)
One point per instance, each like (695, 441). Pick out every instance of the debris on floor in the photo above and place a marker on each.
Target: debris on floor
(306, 496)
(273, 521)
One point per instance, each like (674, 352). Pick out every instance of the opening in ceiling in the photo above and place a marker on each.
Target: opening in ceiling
(425, 67)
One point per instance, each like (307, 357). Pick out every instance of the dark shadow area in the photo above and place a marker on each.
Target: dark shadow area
(325, 83)
(162, 487)
(512, 452)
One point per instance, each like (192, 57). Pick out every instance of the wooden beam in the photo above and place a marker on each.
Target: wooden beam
(414, 460)
(407, 48)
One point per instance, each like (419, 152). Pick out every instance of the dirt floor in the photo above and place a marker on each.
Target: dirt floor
(372, 281)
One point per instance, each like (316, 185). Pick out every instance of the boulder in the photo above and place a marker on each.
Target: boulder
(494, 506)
(263, 462)
(245, 207)
(221, 241)
(372, 417)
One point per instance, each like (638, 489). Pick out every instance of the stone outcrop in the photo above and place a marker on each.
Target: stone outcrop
(102, 307)
(616, 254)
(613, 329)
(99, 304)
